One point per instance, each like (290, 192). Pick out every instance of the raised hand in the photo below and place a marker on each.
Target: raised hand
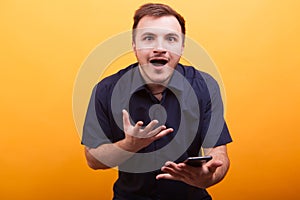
(137, 137)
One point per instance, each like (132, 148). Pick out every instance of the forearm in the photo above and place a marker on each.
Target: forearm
(106, 156)
(219, 154)
(111, 155)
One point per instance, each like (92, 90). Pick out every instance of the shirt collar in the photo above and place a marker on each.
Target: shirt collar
(176, 81)
(138, 82)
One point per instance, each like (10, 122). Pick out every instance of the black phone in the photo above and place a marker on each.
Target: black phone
(197, 161)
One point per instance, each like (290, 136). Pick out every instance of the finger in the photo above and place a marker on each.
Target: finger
(171, 167)
(189, 170)
(126, 122)
(165, 176)
(150, 126)
(186, 167)
(137, 126)
(182, 165)
(182, 172)
(156, 131)
(163, 133)
(173, 172)
(213, 165)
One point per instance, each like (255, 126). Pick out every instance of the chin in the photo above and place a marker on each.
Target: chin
(160, 80)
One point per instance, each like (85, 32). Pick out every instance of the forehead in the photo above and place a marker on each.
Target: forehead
(168, 23)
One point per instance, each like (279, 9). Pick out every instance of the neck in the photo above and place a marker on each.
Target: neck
(156, 88)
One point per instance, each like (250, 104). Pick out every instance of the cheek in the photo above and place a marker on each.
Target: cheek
(174, 61)
(175, 58)
(141, 55)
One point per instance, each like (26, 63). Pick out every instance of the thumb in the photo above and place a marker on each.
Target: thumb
(213, 165)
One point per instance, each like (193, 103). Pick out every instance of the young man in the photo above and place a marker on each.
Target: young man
(148, 118)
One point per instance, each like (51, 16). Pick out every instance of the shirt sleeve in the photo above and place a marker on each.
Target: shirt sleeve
(215, 130)
(96, 129)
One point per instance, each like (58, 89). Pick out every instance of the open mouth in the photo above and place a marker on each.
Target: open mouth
(158, 62)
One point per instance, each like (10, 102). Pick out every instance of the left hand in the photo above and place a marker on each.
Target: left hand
(201, 177)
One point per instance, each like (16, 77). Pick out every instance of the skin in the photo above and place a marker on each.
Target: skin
(135, 139)
(202, 177)
(153, 43)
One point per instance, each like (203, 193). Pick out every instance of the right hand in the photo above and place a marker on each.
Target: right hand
(137, 137)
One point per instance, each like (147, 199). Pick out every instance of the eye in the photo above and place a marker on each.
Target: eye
(148, 38)
(171, 39)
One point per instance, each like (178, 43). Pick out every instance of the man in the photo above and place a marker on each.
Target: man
(148, 118)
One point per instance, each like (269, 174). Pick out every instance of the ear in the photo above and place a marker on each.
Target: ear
(133, 47)
(182, 49)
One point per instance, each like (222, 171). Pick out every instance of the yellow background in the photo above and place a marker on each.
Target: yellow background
(255, 45)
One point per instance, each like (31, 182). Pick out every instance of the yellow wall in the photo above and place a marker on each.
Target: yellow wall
(255, 45)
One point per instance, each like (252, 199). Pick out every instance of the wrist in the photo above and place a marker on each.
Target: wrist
(126, 146)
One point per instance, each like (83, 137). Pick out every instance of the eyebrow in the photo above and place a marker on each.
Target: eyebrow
(153, 34)
(148, 33)
(173, 34)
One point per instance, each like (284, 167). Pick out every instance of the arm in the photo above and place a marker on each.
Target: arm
(202, 177)
(106, 156)
(220, 156)
(110, 155)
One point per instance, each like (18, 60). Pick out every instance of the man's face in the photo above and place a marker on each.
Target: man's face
(158, 46)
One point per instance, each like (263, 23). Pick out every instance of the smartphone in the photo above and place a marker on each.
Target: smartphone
(197, 161)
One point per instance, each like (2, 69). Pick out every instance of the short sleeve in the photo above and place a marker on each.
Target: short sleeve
(96, 129)
(215, 130)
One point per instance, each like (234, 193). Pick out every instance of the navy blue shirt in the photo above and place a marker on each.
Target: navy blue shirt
(191, 105)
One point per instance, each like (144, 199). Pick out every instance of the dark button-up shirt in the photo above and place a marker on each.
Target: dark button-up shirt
(191, 104)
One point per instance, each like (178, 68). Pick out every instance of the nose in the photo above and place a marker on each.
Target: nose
(159, 47)
(159, 50)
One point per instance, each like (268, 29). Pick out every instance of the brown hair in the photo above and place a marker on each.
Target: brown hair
(157, 10)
